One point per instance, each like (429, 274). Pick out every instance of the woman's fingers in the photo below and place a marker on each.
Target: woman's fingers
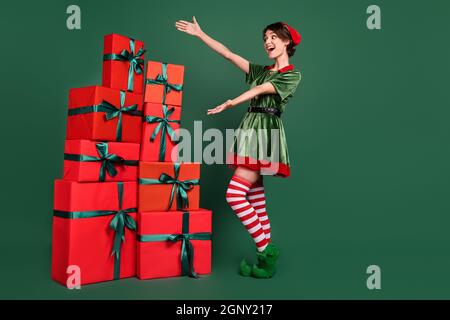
(180, 25)
(214, 110)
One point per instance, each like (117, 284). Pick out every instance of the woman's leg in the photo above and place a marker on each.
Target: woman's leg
(257, 198)
(236, 197)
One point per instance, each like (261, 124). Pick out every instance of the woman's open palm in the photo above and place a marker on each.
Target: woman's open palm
(191, 28)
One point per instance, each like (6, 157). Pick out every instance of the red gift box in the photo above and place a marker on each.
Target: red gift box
(123, 63)
(163, 236)
(164, 83)
(165, 186)
(91, 161)
(83, 235)
(160, 133)
(99, 113)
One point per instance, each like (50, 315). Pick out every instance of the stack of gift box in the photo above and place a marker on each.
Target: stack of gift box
(125, 206)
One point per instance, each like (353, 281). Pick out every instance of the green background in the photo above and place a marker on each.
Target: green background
(367, 133)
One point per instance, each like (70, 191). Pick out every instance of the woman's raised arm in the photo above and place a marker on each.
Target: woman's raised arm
(193, 28)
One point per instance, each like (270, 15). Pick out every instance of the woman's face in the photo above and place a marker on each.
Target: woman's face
(274, 45)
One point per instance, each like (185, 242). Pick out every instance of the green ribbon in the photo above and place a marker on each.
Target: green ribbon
(162, 79)
(111, 112)
(136, 61)
(165, 128)
(180, 187)
(109, 160)
(187, 249)
(118, 223)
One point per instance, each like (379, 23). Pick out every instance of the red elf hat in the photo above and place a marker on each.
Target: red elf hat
(296, 37)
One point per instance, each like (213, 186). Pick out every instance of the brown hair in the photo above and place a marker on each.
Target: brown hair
(283, 33)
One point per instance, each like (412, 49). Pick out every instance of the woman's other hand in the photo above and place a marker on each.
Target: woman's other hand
(220, 108)
(191, 28)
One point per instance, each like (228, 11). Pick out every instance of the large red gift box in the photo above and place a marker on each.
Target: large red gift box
(174, 243)
(89, 220)
(164, 83)
(99, 113)
(123, 63)
(165, 186)
(91, 161)
(160, 132)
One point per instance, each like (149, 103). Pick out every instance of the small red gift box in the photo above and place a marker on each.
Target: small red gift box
(89, 222)
(168, 186)
(164, 83)
(159, 133)
(175, 243)
(99, 113)
(91, 161)
(123, 63)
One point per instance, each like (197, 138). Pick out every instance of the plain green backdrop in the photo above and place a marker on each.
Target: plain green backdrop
(367, 133)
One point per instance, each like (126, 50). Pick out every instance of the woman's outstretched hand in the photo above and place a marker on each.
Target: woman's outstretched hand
(220, 108)
(191, 28)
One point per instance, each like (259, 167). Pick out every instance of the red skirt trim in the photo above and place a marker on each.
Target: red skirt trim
(264, 168)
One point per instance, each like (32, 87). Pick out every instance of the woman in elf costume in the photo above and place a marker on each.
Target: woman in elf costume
(259, 146)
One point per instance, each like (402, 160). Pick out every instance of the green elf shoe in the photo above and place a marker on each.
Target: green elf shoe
(245, 269)
(267, 261)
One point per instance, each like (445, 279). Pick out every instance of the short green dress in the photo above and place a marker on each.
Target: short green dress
(260, 141)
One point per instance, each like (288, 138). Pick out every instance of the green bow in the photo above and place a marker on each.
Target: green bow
(121, 220)
(162, 79)
(179, 187)
(118, 223)
(187, 249)
(136, 61)
(111, 112)
(109, 160)
(114, 112)
(164, 126)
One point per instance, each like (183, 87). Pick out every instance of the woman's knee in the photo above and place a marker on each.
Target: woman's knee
(247, 174)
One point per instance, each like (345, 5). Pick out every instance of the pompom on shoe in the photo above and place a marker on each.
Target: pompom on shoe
(267, 261)
(266, 266)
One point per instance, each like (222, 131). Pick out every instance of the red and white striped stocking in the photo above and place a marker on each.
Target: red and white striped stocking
(257, 199)
(236, 198)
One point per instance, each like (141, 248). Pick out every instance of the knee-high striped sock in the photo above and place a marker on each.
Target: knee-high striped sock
(236, 198)
(257, 199)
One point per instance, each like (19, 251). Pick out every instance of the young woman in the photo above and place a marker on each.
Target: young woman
(260, 146)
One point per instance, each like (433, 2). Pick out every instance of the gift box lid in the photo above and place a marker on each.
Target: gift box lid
(164, 222)
(153, 170)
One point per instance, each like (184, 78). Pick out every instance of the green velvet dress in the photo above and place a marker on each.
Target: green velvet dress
(260, 141)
